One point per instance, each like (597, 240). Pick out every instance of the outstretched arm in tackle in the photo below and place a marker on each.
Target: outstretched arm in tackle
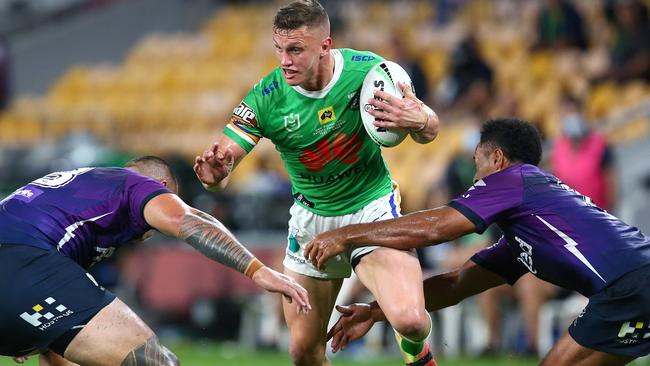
(171, 216)
(440, 291)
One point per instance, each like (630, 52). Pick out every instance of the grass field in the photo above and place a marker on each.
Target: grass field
(208, 354)
(211, 354)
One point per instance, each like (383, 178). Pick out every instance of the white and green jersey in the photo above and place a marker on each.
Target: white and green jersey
(334, 166)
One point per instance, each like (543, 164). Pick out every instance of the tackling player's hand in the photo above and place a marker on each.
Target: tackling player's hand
(355, 321)
(274, 281)
(408, 112)
(323, 247)
(213, 165)
(21, 359)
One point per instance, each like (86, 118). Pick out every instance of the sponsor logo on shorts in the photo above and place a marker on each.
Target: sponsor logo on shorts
(296, 258)
(102, 253)
(526, 255)
(45, 316)
(340, 148)
(293, 242)
(633, 332)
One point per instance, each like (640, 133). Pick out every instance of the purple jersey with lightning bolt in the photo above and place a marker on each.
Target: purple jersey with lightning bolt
(551, 231)
(85, 213)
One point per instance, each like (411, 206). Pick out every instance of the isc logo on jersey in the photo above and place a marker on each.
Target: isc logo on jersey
(245, 114)
(362, 58)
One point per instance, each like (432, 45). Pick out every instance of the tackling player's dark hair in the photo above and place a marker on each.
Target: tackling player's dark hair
(519, 140)
(298, 13)
(152, 166)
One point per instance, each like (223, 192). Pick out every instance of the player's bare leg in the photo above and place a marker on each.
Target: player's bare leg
(532, 293)
(117, 336)
(395, 279)
(490, 307)
(567, 352)
(308, 331)
(50, 358)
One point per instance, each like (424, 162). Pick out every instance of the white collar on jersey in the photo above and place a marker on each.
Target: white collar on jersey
(338, 69)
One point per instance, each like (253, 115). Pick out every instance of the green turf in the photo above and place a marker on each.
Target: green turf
(193, 355)
(208, 354)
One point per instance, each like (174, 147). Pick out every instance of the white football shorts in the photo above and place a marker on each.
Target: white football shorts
(304, 225)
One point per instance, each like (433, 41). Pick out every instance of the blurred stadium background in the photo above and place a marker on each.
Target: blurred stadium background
(96, 82)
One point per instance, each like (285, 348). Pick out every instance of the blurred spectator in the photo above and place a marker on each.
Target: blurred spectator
(459, 177)
(334, 8)
(264, 198)
(560, 26)
(529, 293)
(4, 74)
(446, 10)
(582, 158)
(189, 187)
(431, 257)
(460, 171)
(265, 180)
(630, 50)
(405, 58)
(468, 86)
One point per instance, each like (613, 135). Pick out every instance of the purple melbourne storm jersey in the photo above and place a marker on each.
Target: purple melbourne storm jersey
(551, 231)
(84, 213)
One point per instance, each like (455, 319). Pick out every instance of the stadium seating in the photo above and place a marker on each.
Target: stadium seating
(174, 92)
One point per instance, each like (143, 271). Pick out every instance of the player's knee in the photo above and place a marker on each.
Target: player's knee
(303, 355)
(152, 353)
(413, 324)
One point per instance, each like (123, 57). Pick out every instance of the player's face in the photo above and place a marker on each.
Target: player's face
(299, 52)
(486, 160)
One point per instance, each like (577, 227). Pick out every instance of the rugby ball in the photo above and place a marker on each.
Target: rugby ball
(383, 76)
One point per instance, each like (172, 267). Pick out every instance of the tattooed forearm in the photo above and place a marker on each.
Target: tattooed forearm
(152, 353)
(210, 237)
(207, 217)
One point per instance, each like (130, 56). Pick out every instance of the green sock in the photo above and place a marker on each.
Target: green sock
(412, 349)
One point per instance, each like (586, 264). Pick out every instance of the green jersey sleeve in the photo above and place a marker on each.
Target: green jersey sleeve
(244, 125)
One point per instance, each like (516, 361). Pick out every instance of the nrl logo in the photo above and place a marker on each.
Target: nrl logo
(292, 122)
